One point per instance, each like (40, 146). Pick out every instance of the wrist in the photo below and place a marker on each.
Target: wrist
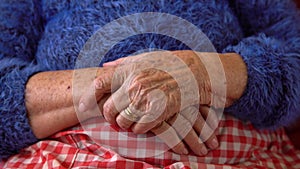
(48, 100)
(215, 73)
(236, 76)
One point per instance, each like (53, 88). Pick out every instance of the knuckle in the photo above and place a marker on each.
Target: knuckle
(108, 108)
(137, 83)
(98, 83)
(135, 87)
(139, 86)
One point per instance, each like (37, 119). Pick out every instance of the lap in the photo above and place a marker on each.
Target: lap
(97, 143)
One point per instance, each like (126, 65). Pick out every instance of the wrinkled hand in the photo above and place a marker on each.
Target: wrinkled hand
(172, 130)
(156, 87)
(179, 132)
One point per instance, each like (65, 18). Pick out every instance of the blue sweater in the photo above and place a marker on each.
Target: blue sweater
(48, 35)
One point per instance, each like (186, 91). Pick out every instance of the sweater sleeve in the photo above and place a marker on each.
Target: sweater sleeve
(20, 27)
(271, 51)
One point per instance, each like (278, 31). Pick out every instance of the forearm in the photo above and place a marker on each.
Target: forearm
(49, 100)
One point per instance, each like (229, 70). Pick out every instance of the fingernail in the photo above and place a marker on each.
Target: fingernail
(81, 107)
(214, 143)
(203, 150)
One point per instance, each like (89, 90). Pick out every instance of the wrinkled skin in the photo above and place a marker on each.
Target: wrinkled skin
(169, 94)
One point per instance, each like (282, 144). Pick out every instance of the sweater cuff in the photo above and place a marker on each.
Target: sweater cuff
(273, 88)
(15, 130)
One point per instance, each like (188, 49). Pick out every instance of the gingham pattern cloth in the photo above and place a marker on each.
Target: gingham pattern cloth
(96, 144)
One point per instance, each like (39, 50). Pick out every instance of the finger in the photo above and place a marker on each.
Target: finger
(167, 134)
(204, 129)
(121, 99)
(114, 63)
(101, 103)
(201, 127)
(211, 116)
(206, 134)
(156, 111)
(185, 130)
(100, 86)
(96, 111)
(116, 103)
(212, 142)
(127, 117)
(128, 59)
(146, 123)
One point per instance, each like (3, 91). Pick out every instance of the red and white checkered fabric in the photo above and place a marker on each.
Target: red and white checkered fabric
(96, 144)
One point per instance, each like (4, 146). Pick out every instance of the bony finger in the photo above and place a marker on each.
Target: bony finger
(205, 130)
(127, 117)
(96, 111)
(167, 134)
(195, 118)
(193, 141)
(185, 130)
(212, 119)
(89, 99)
(153, 114)
(212, 142)
(100, 86)
(114, 63)
(200, 126)
(146, 123)
(109, 111)
(123, 122)
(211, 116)
(115, 104)
(102, 101)
(127, 60)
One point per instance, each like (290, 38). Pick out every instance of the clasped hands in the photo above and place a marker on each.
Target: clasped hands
(167, 93)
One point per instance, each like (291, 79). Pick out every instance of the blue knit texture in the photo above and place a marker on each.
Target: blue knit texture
(272, 56)
(20, 27)
(15, 131)
(71, 25)
(273, 88)
(48, 35)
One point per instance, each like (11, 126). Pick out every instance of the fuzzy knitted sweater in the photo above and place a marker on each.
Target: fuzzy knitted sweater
(49, 34)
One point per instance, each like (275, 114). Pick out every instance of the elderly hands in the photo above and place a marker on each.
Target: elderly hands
(170, 94)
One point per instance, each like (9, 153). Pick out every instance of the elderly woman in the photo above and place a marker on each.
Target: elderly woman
(257, 43)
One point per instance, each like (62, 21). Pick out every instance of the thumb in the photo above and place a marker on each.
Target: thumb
(100, 86)
(114, 63)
